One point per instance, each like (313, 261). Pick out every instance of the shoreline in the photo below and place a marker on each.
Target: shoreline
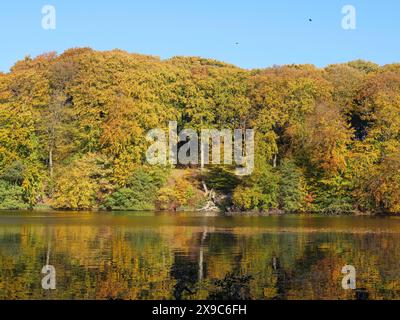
(271, 213)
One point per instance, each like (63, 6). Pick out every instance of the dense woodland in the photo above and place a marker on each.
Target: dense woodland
(73, 126)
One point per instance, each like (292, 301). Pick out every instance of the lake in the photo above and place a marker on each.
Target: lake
(149, 255)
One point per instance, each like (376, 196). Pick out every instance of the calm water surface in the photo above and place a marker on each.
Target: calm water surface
(167, 256)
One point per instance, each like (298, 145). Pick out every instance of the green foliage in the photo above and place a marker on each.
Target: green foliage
(258, 192)
(221, 179)
(139, 193)
(13, 173)
(292, 188)
(246, 198)
(130, 199)
(333, 196)
(11, 196)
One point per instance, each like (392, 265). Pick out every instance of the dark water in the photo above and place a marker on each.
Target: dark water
(153, 256)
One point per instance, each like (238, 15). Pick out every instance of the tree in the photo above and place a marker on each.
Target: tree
(292, 188)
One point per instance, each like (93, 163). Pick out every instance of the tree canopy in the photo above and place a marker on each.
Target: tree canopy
(72, 130)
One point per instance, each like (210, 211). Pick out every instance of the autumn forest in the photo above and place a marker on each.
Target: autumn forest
(72, 130)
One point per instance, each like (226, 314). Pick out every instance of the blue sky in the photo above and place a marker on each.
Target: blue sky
(267, 32)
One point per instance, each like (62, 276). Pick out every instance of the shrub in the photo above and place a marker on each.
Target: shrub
(77, 186)
(292, 188)
(221, 179)
(333, 196)
(139, 192)
(177, 194)
(11, 196)
(260, 191)
(246, 198)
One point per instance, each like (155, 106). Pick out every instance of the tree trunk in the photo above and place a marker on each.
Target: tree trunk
(51, 161)
(274, 161)
(205, 187)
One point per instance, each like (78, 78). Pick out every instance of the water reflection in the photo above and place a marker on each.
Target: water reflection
(145, 256)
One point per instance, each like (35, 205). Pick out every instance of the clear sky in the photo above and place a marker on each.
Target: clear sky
(247, 33)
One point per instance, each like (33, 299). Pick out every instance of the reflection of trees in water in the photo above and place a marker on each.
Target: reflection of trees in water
(190, 274)
(49, 236)
(195, 263)
(280, 275)
(231, 287)
(285, 266)
(201, 254)
(185, 271)
(302, 271)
